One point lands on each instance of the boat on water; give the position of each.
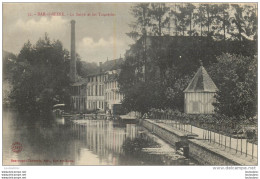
(58, 109)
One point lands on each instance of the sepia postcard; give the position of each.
(130, 84)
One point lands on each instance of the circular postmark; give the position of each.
(17, 147)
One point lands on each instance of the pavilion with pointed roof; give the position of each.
(199, 95)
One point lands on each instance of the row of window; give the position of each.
(79, 103)
(111, 84)
(114, 96)
(95, 105)
(95, 90)
(100, 78)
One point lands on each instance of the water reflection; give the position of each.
(83, 142)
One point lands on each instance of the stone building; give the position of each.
(99, 91)
(78, 96)
(112, 95)
(102, 87)
(95, 92)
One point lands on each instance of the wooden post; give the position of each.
(230, 142)
(218, 138)
(241, 145)
(221, 139)
(237, 143)
(210, 136)
(246, 147)
(225, 141)
(252, 150)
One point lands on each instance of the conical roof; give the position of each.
(201, 82)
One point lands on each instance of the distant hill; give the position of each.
(85, 68)
(112, 64)
(8, 62)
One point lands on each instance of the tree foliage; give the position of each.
(236, 79)
(220, 21)
(159, 66)
(40, 76)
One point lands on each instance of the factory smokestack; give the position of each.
(100, 67)
(73, 53)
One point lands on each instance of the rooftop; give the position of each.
(201, 82)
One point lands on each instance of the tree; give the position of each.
(236, 78)
(171, 61)
(185, 17)
(142, 20)
(159, 15)
(40, 76)
(244, 22)
(200, 18)
(222, 21)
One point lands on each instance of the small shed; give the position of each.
(199, 95)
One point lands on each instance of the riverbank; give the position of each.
(203, 151)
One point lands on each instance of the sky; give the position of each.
(97, 37)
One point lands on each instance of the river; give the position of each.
(82, 142)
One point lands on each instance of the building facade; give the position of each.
(98, 91)
(95, 92)
(78, 96)
(113, 96)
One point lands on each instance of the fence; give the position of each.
(216, 133)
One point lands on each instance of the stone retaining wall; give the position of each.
(165, 134)
(198, 149)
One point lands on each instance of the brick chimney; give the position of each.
(100, 67)
(73, 53)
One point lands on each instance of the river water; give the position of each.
(82, 142)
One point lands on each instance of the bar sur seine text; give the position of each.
(77, 14)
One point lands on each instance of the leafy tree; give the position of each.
(222, 21)
(159, 15)
(170, 62)
(142, 20)
(236, 79)
(244, 22)
(40, 76)
(9, 60)
(185, 17)
(200, 19)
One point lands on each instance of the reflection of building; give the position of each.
(102, 138)
(199, 95)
